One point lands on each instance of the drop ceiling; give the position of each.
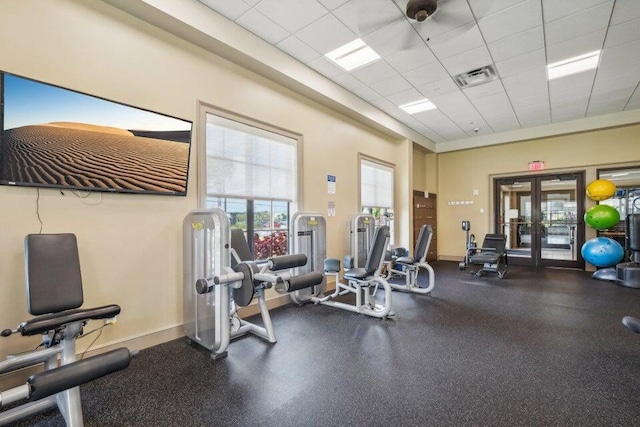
(420, 60)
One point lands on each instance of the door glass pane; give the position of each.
(515, 217)
(559, 218)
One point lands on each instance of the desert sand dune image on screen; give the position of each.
(93, 157)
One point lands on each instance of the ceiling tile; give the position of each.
(299, 50)
(405, 97)
(518, 44)
(578, 24)
(326, 34)
(374, 72)
(325, 67)
(412, 58)
(622, 70)
(521, 17)
(582, 82)
(347, 81)
(292, 15)
(482, 8)
(604, 86)
(522, 63)
(471, 60)
(455, 42)
(623, 33)
(532, 120)
(620, 54)
(614, 95)
(532, 103)
(365, 16)
(625, 10)
(606, 107)
(483, 90)
(332, 4)
(456, 106)
(392, 38)
(574, 47)
(425, 75)
(535, 78)
(497, 102)
(384, 104)
(231, 9)
(567, 114)
(262, 27)
(367, 93)
(391, 86)
(441, 87)
(557, 9)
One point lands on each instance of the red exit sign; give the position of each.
(536, 165)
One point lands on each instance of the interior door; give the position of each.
(542, 217)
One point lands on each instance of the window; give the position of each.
(251, 174)
(376, 192)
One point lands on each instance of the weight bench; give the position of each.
(54, 295)
(492, 255)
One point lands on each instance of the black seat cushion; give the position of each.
(406, 260)
(357, 273)
(485, 258)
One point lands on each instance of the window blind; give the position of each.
(247, 162)
(376, 185)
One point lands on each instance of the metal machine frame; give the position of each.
(312, 228)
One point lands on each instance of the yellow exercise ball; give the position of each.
(601, 189)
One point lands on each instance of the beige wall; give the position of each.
(460, 172)
(131, 245)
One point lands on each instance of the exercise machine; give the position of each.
(54, 295)
(362, 228)
(220, 275)
(309, 237)
(411, 265)
(492, 255)
(469, 245)
(632, 323)
(628, 273)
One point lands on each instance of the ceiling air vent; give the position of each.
(476, 77)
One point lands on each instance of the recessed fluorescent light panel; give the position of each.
(575, 65)
(418, 106)
(353, 55)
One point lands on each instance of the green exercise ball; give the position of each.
(601, 189)
(601, 217)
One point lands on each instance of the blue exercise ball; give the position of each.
(602, 252)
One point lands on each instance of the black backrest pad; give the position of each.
(52, 272)
(240, 245)
(495, 241)
(377, 250)
(422, 245)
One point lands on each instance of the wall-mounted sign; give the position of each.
(536, 165)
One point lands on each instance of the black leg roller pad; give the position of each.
(74, 374)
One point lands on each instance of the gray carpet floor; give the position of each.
(539, 348)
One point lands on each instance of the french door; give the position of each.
(542, 217)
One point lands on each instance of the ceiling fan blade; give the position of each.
(368, 15)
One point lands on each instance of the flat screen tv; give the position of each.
(58, 138)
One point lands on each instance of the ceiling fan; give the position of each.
(421, 9)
